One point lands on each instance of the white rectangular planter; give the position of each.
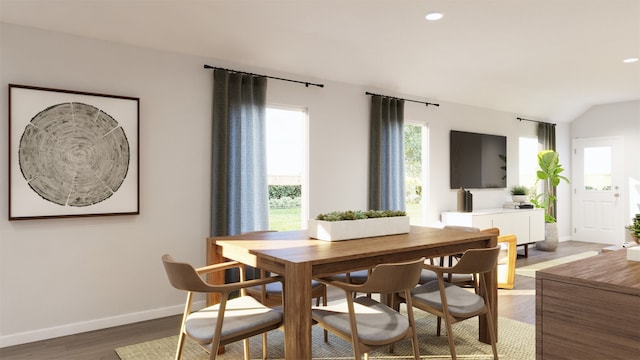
(355, 229)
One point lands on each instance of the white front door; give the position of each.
(598, 198)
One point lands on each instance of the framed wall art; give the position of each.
(72, 153)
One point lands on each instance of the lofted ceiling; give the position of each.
(546, 60)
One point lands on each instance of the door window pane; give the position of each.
(597, 168)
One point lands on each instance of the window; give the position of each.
(528, 161)
(414, 172)
(286, 167)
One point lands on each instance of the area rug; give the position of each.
(516, 341)
(530, 270)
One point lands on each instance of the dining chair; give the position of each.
(459, 279)
(506, 259)
(271, 294)
(229, 321)
(454, 303)
(465, 280)
(353, 277)
(366, 322)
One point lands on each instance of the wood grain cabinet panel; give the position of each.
(589, 309)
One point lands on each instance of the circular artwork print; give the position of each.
(74, 154)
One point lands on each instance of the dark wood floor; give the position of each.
(518, 304)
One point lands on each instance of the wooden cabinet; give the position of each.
(526, 224)
(589, 309)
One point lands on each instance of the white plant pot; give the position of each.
(551, 238)
(355, 229)
(519, 198)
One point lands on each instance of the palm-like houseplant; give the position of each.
(549, 174)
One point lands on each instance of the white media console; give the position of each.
(526, 224)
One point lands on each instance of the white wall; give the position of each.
(618, 119)
(61, 276)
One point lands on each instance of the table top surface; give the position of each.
(296, 246)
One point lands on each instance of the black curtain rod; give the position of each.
(535, 121)
(397, 98)
(267, 76)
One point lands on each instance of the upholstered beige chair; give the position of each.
(454, 303)
(360, 320)
(229, 321)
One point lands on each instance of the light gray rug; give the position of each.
(530, 270)
(516, 341)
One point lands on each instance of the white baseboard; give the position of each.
(91, 325)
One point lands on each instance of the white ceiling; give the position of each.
(541, 59)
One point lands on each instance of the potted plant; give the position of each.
(549, 174)
(519, 193)
(633, 230)
(344, 225)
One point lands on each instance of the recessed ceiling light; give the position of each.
(631, 60)
(434, 16)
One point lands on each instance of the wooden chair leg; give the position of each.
(265, 346)
(181, 340)
(324, 303)
(452, 343)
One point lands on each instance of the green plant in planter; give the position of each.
(634, 228)
(549, 173)
(519, 190)
(358, 215)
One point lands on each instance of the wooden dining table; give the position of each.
(299, 259)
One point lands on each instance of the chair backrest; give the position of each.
(393, 277)
(476, 261)
(183, 276)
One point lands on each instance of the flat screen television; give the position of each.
(477, 161)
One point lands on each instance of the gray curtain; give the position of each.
(547, 136)
(386, 154)
(239, 190)
(547, 141)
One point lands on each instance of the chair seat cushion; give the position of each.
(356, 277)
(242, 315)
(276, 287)
(427, 275)
(459, 300)
(376, 323)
